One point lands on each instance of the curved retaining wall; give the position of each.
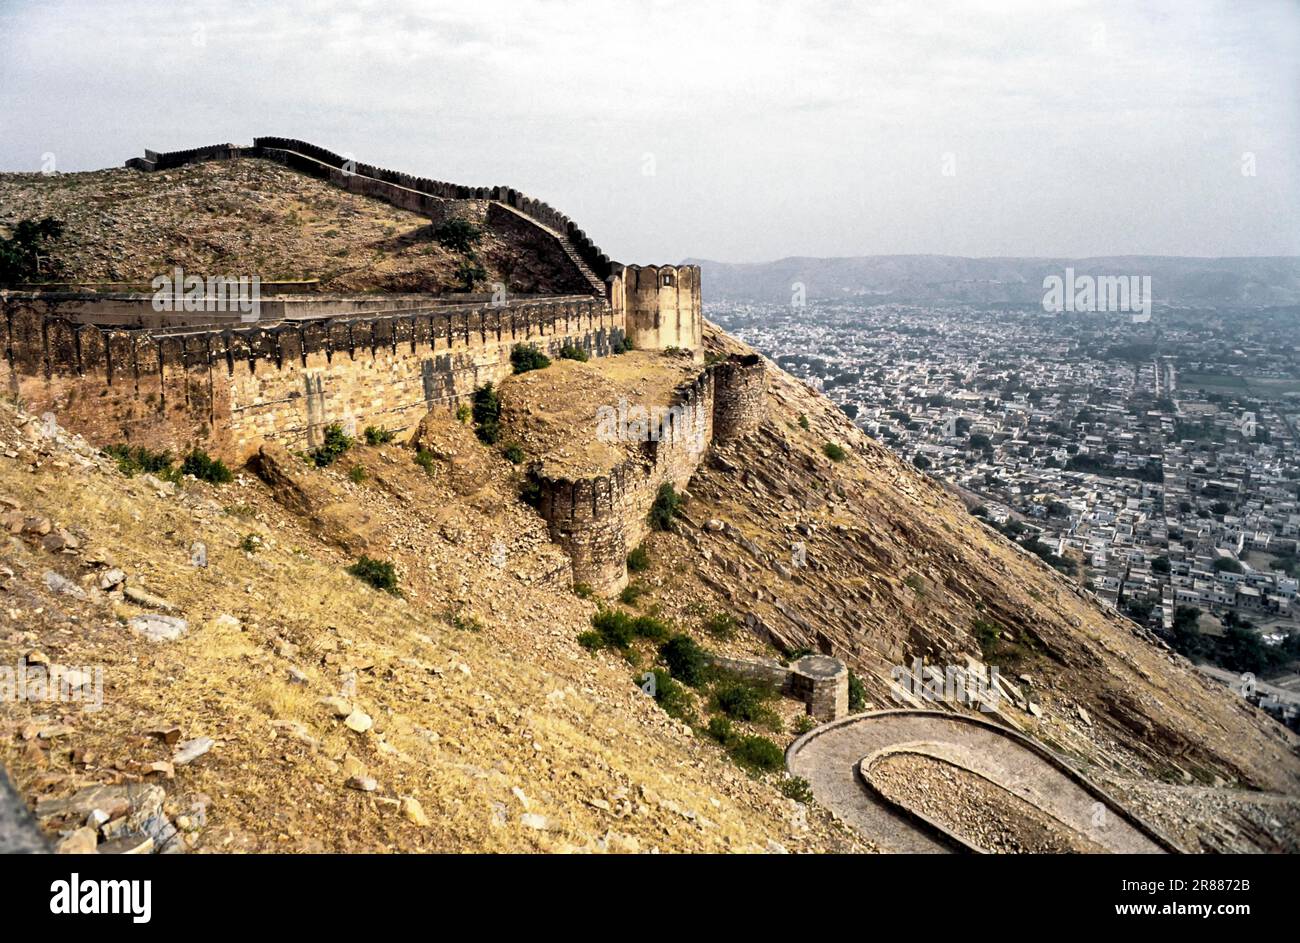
(1033, 746)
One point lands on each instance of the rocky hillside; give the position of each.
(255, 217)
(268, 700)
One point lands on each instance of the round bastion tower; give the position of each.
(660, 305)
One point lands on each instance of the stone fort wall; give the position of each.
(662, 305)
(228, 390)
(598, 520)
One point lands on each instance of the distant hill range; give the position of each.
(1176, 280)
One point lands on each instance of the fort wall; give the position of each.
(229, 390)
(598, 520)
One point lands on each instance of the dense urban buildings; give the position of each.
(1155, 462)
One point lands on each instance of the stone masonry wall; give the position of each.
(738, 398)
(227, 391)
(662, 304)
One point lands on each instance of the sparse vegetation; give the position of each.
(457, 234)
(357, 474)
(614, 628)
(425, 459)
(742, 699)
(250, 543)
(630, 593)
(378, 435)
(583, 591)
(796, 788)
(624, 345)
(857, 693)
(638, 560)
(132, 461)
(688, 662)
(525, 357)
(721, 625)
(834, 452)
(336, 443)
(378, 573)
(670, 695)
(464, 621)
(20, 253)
(514, 453)
(572, 352)
(487, 414)
(206, 468)
(667, 502)
(803, 422)
(757, 754)
(802, 724)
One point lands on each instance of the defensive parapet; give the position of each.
(661, 304)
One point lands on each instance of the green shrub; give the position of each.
(688, 662)
(803, 421)
(487, 414)
(796, 788)
(469, 272)
(573, 352)
(638, 560)
(456, 234)
(651, 627)
(624, 345)
(514, 453)
(722, 730)
(757, 754)
(614, 628)
(358, 474)
(464, 413)
(530, 491)
(206, 468)
(742, 699)
(583, 590)
(667, 502)
(525, 357)
(425, 459)
(721, 625)
(20, 253)
(802, 724)
(857, 693)
(631, 593)
(250, 543)
(378, 435)
(592, 641)
(336, 443)
(834, 452)
(139, 460)
(378, 573)
(673, 699)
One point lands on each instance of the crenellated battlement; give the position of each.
(662, 305)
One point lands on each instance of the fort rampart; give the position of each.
(228, 390)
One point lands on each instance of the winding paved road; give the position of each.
(828, 758)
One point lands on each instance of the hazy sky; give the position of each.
(673, 129)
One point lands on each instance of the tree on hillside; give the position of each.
(20, 254)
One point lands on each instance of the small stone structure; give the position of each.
(820, 681)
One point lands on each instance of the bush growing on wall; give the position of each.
(456, 234)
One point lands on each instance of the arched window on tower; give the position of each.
(666, 279)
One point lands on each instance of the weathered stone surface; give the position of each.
(158, 628)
